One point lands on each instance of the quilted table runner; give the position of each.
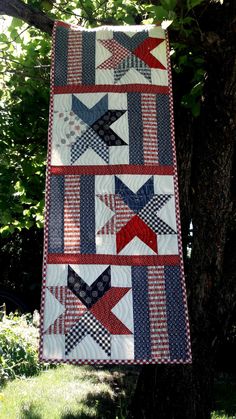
(113, 285)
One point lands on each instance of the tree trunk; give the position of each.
(30, 15)
(205, 159)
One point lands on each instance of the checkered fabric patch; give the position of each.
(113, 282)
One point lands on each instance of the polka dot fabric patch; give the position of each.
(113, 281)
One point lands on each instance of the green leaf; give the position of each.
(129, 19)
(4, 230)
(161, 13)
(169, 4)
(14, 33)
(149, 21)
(3, 38)
(183, 59)
(15, 23)
(46, 5)
(196, 107)
(193, 3)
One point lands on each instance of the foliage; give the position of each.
(23, 123)
(24, 93)
(19, 346)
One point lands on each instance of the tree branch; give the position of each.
(30, 15)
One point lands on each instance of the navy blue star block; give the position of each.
(89, 295)
(135, 201)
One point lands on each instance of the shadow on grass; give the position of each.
(102, 406)
(30, 412)
(104, 403)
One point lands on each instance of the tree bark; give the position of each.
(183, 392)
(30, 15)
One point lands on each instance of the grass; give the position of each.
(69, 392)
(225, 399)
(66, 392)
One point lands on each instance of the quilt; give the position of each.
(113, 281)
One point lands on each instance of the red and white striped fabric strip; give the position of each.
(74, 310)
(110, 226)
(72, 214)
(149, 117)
(58, 327)
(74, 59)
(123, 213)
(157, 312)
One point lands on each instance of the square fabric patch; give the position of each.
(113, 282)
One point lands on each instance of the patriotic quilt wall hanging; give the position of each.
(113, 283)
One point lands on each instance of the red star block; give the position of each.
(136, 228)
(143, 51)
(102, 311)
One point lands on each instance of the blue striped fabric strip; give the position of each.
(56, 215)
(176, 317)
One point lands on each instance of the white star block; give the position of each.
(106, 244)
(134, 182)
(89, 273)
(163, 184)
(167, 244)
(62, 103)
(123, 310)
(160, 77)
(137, 247)
(54, 347)
(121, 276)
(88, 348)
(56, 274)
(122, 347)
(156, 32)
(104, 184)
(53, 309)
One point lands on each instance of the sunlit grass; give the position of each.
(221, 415)
(65, 392)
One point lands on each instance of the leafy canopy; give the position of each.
(24, 93)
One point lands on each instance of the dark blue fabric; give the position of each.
(175, 313)
(87, 214)
(89, 294)
(142, 344)
(61, 51)
(135, 129)
(90, 115)
(130, 42)
(165, 151)
(135, 201)
(56, 215)
(89, 55)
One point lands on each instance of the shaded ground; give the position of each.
(225, 398)
(86, 392)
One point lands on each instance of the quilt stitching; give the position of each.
(113, 280)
